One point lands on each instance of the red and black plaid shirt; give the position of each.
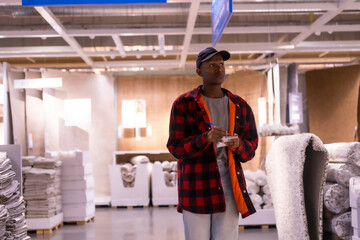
(199, 183)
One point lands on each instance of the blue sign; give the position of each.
(221, 13)
(81, 2)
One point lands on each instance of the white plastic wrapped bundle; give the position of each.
(260, 177)
(266, 189)
(139, 159)
(344, 152)
(256, 183)
(252, 187)
(250, 175)
(166, 166)
(170, 172)
(170, 178)
(336, 198)
(128, 173)
(267, 199)
(345, 172)
(331, 169)
(173, 166)
(256, 200)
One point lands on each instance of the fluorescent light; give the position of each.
(38, 83)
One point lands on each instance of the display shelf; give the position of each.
(162, 194)
(131, 196)
(44, 223)
(261, 217)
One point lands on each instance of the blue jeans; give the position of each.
(217, 226)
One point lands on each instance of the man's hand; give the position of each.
(233, 143)
(215, 134)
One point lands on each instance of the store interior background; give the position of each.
(329, 84)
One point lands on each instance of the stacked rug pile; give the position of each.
(12, 210)
(344, 163)
(42, 190)
(4, 216)
(258, 189)
(77, 184)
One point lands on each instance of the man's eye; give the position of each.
(221, 64)
(211, 65)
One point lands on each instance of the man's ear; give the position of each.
(198, 71)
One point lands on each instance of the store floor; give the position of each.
(138, 224)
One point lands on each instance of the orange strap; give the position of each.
(240, 202)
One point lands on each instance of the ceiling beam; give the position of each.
(61, 30)
(321, 21)
(119, 45)
(194, 8)
(234, 48)
(173, 31)
(161, 40)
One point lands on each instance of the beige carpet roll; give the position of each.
(295, 168)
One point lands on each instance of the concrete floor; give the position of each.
(138, 223)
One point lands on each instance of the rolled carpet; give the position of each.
(295, 167)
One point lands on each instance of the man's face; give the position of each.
(212, 71)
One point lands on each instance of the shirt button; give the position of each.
(209, 128)
(237, 116)
(238, 173)
(244, 191)
(219, 188)
(203, 110)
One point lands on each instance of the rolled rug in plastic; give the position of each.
(250, 175)
(267, 199)
(331, 169)
(139, 159)
(268, 206)
(343, 151)
(252, 187)
(166, 166)
(345, 172)
(173, 166)
(266, 189)
(260, 177)
(256, 199)
(339, 224)
(336, 198)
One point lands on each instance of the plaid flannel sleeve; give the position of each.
(183, 144)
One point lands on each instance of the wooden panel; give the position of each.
(333, 98)
(159, 93)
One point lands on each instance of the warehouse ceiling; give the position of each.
(168, 36)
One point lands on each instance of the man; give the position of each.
(211, 183)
